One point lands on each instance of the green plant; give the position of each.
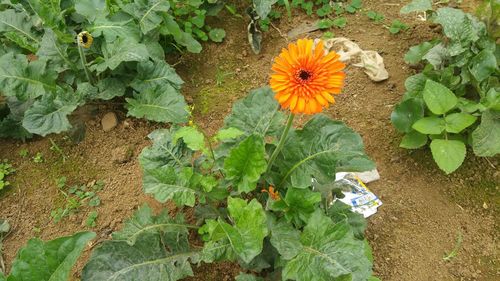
(397, 26)
(254, 200)
(376, 17)
(52, 260)
(5, 170)
(38, 158)
(119, 50)
(91, 219)
(453, 253)
(24, 152)
(455, 100)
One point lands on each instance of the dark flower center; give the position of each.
(84, 39)
(304, 75)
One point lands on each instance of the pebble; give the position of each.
(109, 121)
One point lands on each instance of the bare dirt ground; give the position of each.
(424, 210)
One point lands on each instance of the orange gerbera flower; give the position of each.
(305, 77)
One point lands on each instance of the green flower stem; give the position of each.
(281, 142)
(288, 9)
(84, 64)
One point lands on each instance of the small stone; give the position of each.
(485, 206)
(122, 154)
(109, 121)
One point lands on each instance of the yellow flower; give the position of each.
(305, 78)
(85, 39)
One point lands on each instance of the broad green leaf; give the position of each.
(156, 74)
(49, 12)
(10, 127)
(406, 113)
(415, 85)
(54, 51)
(330, 252)
(151, 258)
(164, 152)
(244, 238)
(25, 80)
(263, 7)
(17, 27)
(246, 163)
(49, 261)
(148, 13)
(322, 148)
(486, 138)
(483, 65)
(193, 138)
(227, 134)
(49, 115)
(183, 38)
(121, 50)
(448, 154)
(91, 9)
(217, 35)
(284, 237)
(168, 183)
(413, 140)
(340, 212)
(437, 55)
(257, 113)
(456, 25)
(115, 28)
(430, 125)
(298, 204)
(2, 277)
(438, 98)
(110, 88)
(143, 221)
(247, 277)
(158, 104)
(417, 6)
(457, 122)
(416, 53)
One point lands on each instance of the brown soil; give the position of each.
(423, 213)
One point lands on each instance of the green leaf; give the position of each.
(23, 79)
(228, 134)
(456, 25)
(413, 140)
(148, 13)
(193, 138)
(417, 6)
(11, 127)
(110, 88)
(157, 104)
(437, 55)
(258, 113)
(54, 51)
(121, 50)
(156, 74)
(247, 277)
(168, 183)
(406, 113)
(18, 25)
(49, 12)
(486, 138)
(153, 257)
(284, 237)
(217, 35)
(330, 252)
(143, 221)
(298, 204)
(457, 122)
(430, 125)
(164, 152)
(448, 154)
(49, 115)
(91, 9)
(244, 238)
(340, 22)
(322, 148)
(340, 212)
(416, 53)
(246, 163)
(183, 38)
(414, 85)
(115, 28)
(47, 261)
(483, 65)
(263, 7)
(438, 98)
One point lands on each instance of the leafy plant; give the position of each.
(44, 261)
(45, 74)
(38, 158)
(397, 26)
(5, 170)
(376, 17)
(455, 100)
(288, 228)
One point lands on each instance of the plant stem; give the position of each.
(288, 9)
(84, 64)
(281, 142)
